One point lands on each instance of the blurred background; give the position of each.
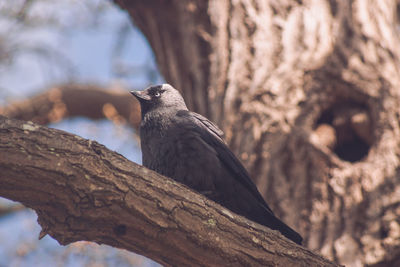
(45, 43)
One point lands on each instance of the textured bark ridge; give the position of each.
(308, 94)
(83, 191)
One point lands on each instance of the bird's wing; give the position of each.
(212, 135)
(209, 125)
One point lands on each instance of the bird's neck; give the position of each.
(158, 118)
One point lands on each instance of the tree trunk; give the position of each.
(307, 93)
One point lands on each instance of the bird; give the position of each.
(190, 149)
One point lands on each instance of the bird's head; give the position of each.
(159, 96)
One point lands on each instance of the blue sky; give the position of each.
(81, 43)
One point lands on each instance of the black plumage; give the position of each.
(190, 149)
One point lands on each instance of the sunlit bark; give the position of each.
(308, 94)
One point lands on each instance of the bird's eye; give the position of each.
(157, 94)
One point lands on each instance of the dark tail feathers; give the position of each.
(285, 230)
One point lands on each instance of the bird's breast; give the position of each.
(158, 148)
(180, 153)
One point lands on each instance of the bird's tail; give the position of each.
(285, 230)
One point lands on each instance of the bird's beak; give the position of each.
(141, 95)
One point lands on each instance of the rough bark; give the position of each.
(71, 100)
(83, 191)
(307, 93)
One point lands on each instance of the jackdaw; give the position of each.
(190, 149)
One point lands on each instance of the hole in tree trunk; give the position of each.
(353, 150)
(345, 128)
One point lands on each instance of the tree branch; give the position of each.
(71, 100)
(83, 191)
(8, 209)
